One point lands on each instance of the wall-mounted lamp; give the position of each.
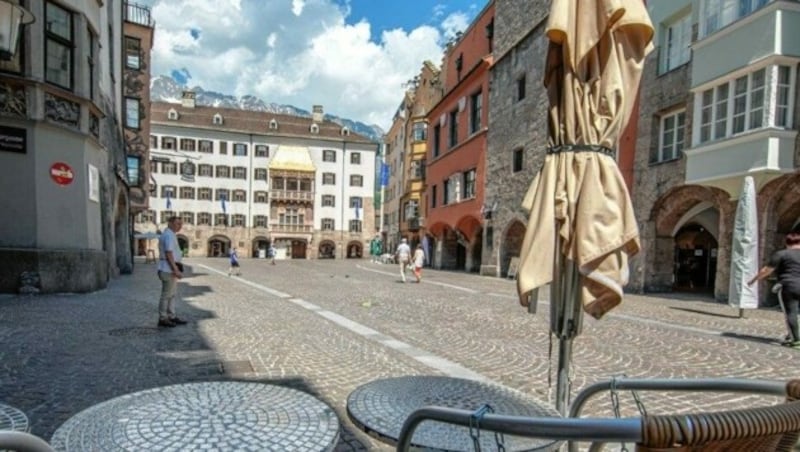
(488, 210)
(12, 18)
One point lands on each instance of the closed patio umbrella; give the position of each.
(744, 250)
(581, 217)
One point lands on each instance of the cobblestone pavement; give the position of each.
(326, 327)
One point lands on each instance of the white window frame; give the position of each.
(717, 14)
(677, 42)
(676, 135)
(721, 114)
(132, 120)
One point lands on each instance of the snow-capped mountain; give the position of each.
(166, 89)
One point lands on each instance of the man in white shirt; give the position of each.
(170, 270)
(403, 257)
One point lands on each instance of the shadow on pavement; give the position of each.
(751, 338)
(699, 311)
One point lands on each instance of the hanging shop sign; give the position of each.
(12, 139)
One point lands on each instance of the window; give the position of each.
(168, 142)
(220, 219)
(204, 169)
(273, 124)
(749, 102)
(453, 188)
(260, 221)
(205, 146)
(475, 108)
(187, 192)
(305, 184)
(90, 61)
(166, 215)
(433, 196)
(223, 171)
(355, 226)
(516, 165)
(328, 224)
(278, 183)
(419, 131)
(132, 53)
(217, 119)
(453, 128)
(59, 45)
(204, 219)
(328, 155)
(671, 137)
(437, 139)
(411, 209)
(417, 169)
(355, 158)
(291, 216)
(291, 184)
(239, 149)
(222, 193)
(445, 192)
(260, 197)
(168, 191)
(260, 174)
(134, 175)
(356, 180)
(153, 166)
(153, 142)
(169, 168)
(204, 194)
(314, 129)
(239, 172)
(716, 14)
(356, 201)
(223, 148)
(521, 88)
(262, 150)
(677, 43)
(172, 115)
(187, 217)
(328, 179)
(469, 184)
(187, 144)
(148, 216)
(239, 196)
(328, 201)
(132, 113)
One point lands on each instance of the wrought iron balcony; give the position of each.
(138, 14)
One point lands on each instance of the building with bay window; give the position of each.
(250, 179)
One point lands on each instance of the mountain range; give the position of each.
(164, 88)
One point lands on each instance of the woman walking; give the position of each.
(419, 261)
(786, 264)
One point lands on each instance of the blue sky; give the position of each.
(350, 56)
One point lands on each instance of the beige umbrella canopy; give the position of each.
(581, 217)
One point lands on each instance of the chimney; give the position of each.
(316, 113)
(187, 99)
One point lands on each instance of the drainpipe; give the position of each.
(250, 175)
(344, 245)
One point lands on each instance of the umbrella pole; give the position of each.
(562, 388)
(565, 321)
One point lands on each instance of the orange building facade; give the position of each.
(456, 150)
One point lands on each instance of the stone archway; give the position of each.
(355, 250)
(183, 244)
(708, 208)
(511, 244)
(695, 259)
(260, 247)
(327, 250)
(218, 246)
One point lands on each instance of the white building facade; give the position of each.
(252, 179)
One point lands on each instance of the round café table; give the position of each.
(209, 416)
(380, 407)
(13, 419)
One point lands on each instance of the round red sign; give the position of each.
(61, 173)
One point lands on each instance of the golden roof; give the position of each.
(292, 158)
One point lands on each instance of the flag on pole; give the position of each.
(169, 200)
(358, 208)
(384, 174)
(222, 200)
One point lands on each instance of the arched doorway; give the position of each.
(183, 244)
(476, 251)
(260, 247)
(512, 245)
(695, 259)
(218, 246)
(355, 250)
(327, 250)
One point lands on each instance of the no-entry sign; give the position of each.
(61, 173)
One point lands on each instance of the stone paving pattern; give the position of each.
(64, 353)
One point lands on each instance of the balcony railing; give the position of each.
(416, 223)
(291, 195)
(138, 14)
(291, 228)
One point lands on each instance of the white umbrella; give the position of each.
(744, 250)
(581, 216)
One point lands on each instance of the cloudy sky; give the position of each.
(350, 56)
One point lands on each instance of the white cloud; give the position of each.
(298, 52)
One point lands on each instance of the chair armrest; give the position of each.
(23, 442)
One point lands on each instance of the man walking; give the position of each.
(170, 270)
(403, 255)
